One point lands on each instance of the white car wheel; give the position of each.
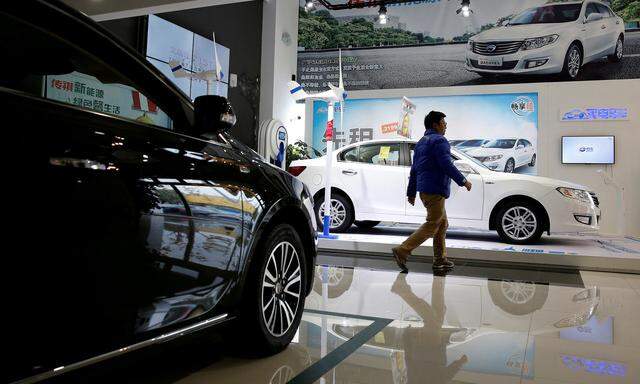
(341, 213)
(519, 223)
(619, 52)
(510, 166)
(572, 62)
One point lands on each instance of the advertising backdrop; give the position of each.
(425, 43)
(480, 125)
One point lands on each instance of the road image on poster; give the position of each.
(499, 130)
(428, 44)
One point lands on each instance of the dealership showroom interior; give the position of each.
(322, 191)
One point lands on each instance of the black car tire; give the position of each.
(533, 160)
(510, 166)
(568, 68)
(366, 224)
(341, 201)
(619, 51)
(253, 325)
(525, 209)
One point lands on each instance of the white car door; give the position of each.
(462, 204)
(520, 153)
(610, 32)
(376, 180)
(594, 34)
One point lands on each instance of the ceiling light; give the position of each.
(382, 15)
(465, 8)
(308, 5)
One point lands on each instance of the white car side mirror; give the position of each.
(593, 17)
(464, 167)
(520, 146)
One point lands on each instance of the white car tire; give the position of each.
(572, 62)
(510, 166)
(533, 160)
(619, 52)
(519, 222)
(342, 213)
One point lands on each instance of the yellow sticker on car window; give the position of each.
(384, 153)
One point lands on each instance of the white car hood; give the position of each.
(520, 32)
(479, 152)
(546, 181)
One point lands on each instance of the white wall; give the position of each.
(552, 97)
(279, 62)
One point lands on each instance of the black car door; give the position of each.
(127, 226)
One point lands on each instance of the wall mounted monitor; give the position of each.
(588, 150)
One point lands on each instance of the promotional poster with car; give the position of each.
(432, 44)
(498, 130)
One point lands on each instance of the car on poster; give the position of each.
(505, 154)
(552, 38)
(370, 182)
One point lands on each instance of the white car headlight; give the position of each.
(577, 194)
(493, 158)
(470, 45)
(538, 42)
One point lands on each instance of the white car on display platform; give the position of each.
(557, 37)
(369, 184)
(504, 154)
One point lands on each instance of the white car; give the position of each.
(553, 38)
(466, 145)
(369, 184)
(505, 154)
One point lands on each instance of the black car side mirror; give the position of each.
(213, 114)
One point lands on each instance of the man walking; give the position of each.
(431, 174)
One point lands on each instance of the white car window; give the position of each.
(591, 8)
(380, 154)
(604, 10)
(350, 155)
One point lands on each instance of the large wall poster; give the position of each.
(500, 130)
(426, 43)
(167, 41)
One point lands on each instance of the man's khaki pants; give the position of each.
(436, 227)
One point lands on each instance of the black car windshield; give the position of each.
(547, 14)
(472, 143)
(502, 143)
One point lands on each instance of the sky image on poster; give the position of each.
(480, 125)
(426, 43)
(167, 41)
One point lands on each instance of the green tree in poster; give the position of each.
(627, 9)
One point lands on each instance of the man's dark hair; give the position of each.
(433, 117)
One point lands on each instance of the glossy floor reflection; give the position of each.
(387, 327)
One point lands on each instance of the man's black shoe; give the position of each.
(443, 264)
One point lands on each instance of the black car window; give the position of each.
(380, 154)
(591, 8)
(350, 155)
(604, 10)
(44, 65)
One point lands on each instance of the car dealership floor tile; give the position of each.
(585, 252)
(372, 324)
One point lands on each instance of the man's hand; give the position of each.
(411, 200)
(467, 185)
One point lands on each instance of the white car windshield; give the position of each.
(461, 155)
(502, 143)
(547, 14)
(471, 143)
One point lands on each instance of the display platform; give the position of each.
(584, 252)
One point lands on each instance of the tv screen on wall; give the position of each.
(588, 150)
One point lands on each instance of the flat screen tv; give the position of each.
(588, 150)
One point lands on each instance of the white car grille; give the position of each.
(494, 49)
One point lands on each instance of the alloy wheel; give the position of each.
(519, 223)
(518, 292)
(619, 49)
(281, 289)
(574, 62)
(510, 166)
(338, 213)
(334, 275)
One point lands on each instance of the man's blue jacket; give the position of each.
(433, 168)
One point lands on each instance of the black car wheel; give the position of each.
(510, 166)
(341, 213)
(275, 300)
(519, 223)
(619, 52)
(366, 224)
(533, 160)
(572, 62)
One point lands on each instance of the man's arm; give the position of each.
(411, 188)
(443, 157)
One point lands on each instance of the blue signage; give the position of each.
(588, 114)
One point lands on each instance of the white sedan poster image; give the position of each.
(432, 44)
(498, 130)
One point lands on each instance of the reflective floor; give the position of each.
(365, 324)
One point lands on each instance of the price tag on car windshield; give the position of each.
(384, 153)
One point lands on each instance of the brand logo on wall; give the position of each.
(595, 114)
(586, 149)
(523, 106)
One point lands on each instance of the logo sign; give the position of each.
(491, 48)
(586, 149)
(523, 106)
(595, 114)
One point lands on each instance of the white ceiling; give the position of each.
(117, 9)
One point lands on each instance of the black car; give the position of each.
(133, 216)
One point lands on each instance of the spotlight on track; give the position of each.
(465, 8)
(308, 6)
(382, 15)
